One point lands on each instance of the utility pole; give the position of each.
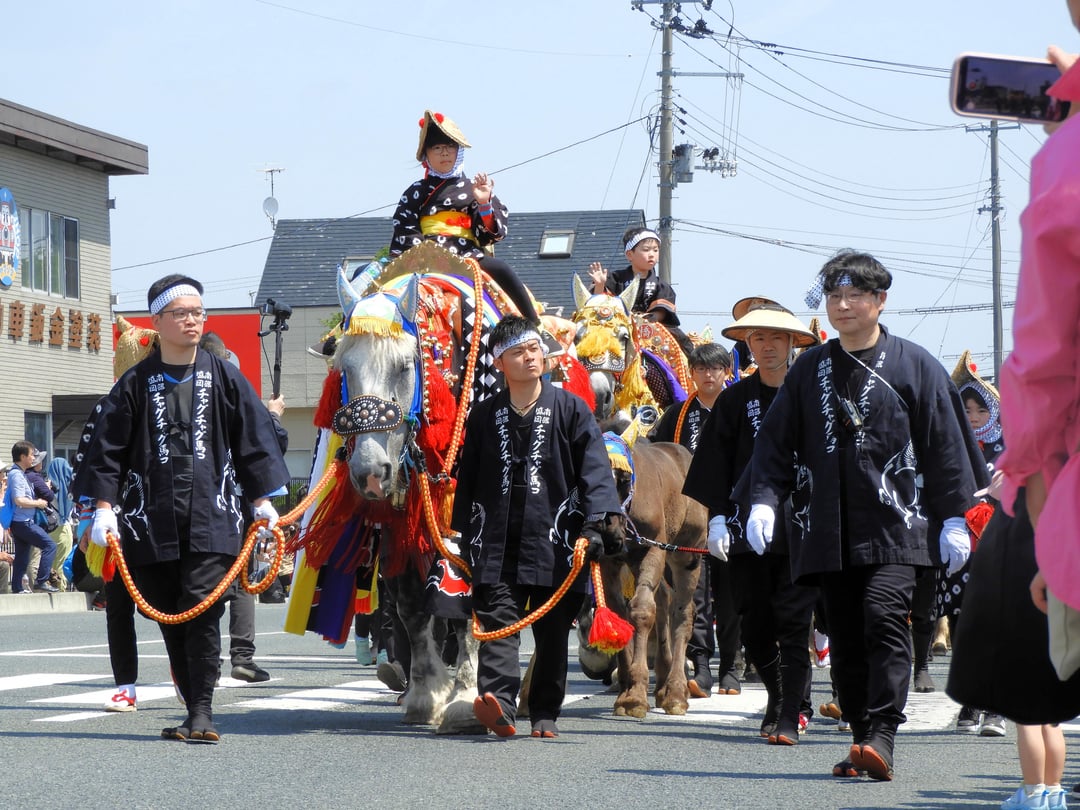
(666, 139)
(995, 238)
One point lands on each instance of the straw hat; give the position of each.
(672, 318)
(443, 125)
(744, 305)
(774, 317)
(964, 375)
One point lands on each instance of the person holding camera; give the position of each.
(534, 475)
(869, 438)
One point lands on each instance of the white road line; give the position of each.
(353, 692)
(40, 679)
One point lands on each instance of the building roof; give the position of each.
(53, 137)
(301, 265)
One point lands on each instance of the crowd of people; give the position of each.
(843, 479)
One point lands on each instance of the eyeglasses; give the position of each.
(181, 315)
(852, 297)
(443, 149)
(717, 370)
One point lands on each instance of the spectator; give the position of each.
(24, 529)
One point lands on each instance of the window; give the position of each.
(50, 255)
(556, 244)
(37, 428)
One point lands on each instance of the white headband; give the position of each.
(640, 237)
(171, 294)
(524, 337)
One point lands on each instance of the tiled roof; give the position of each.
(301, 265)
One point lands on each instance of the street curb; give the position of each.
(29, 604)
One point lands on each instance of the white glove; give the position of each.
(266, 511)
(719, 538)
(955, 544)
(759, 527)
(104, 524)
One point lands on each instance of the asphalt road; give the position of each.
(325, 733)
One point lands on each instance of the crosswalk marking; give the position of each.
(933, 711)
(40, 679)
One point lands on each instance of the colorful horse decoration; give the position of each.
(631, 362)
(412, 357)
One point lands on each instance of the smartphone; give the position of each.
(1009, 88)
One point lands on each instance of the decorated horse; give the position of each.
(411, 358)
(631, 362)
(654, 587)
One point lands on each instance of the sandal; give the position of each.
(205, 733)
(176, 733)
(488, 711)
(877, 764)
(846, 768)
(545, 729)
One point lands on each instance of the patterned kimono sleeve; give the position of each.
(407, 220)
(498, 230)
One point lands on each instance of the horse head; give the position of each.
(378, 357)
(604, 339)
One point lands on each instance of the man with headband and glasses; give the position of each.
(884, 469)
(642, 247)
(178, 443)
(533, 477)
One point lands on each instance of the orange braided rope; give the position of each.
(239, 566)
(470, 367)
(540, 612)
(478, 633)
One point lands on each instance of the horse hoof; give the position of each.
(678, 710)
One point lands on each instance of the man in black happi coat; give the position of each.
(178, 442)
(868, 436)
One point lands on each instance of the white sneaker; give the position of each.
(123, 700)
(1020, 799)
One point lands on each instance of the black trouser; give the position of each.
(776, 619)
(867, 609)
(120, 631)
(241, 621)
(194, 646)
(392, 631)
(727, 618)
(499, 669)
(702, 643)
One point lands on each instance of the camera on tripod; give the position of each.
(280, 312)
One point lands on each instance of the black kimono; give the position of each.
(727, 445)
(690, 433)
(178, 455)
(649, 289)
(915, 464)
(526, 485)
(567, 479)
(871, 484)
(776, 613)
(235, 454)
(426, 212)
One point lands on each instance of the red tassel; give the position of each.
(330, 400)
(610, 632)
(577, 381)
(977, 517)
(108, 568)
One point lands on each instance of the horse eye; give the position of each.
(622, 333)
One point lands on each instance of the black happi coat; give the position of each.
(236, 455)
(433, 195)
(569, 479)
(649, 288)
(694, 421)
(724, 452)
(916, 463)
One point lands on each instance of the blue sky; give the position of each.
(830, 155)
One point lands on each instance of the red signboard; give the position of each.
(240, 333)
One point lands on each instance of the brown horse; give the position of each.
(663, 579)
